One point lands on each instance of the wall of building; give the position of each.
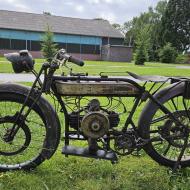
(116, 53)
(78, 44)
(84, 47)
(38, 36)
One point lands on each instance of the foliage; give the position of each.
(140, 55)
(151, 20)
(47, 13)
(182, 59)
(168, 54)
(48, 47)
(176, 24)
(143, 41)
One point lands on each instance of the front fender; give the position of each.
(46, 111)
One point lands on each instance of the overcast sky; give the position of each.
(116, 11)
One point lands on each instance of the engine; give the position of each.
(95, 122)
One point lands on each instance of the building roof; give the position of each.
(64, 25)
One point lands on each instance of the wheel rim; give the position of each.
(27, 144)
(171, 135)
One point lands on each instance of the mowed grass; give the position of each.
(131, 173)
(120, 68)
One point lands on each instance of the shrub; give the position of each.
(153, 55)
(168, 54)
(182, 59)
(141, 55)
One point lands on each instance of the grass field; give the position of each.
(95, 67)
(74, 173)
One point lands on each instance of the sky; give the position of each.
(116, 11)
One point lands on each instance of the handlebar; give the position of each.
(63, 55)
(76, 61)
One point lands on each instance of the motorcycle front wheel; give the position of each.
(28, 147)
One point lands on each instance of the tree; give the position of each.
(47, 13)
(143, 42)
(176, 24)
(48, 47)
(168, 54)
(151, 20)
(116, 26)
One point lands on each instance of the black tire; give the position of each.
(167, 152)
(35, 132)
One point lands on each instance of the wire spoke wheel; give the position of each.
(27, 145)
(16, 144)
(170, 134)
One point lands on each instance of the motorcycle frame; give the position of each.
(143, 95)
(49, 84)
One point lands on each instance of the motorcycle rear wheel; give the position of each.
(154, 123)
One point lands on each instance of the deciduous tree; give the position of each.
(176, 24)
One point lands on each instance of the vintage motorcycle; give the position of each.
(95, 116)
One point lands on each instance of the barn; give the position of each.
(84, 38)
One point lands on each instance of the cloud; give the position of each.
(16, 5)
(47, 1)
(118, 11)
(108, 16)
(79, 8)
(109, 1)
(93, 1)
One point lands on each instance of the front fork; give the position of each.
(37, 92)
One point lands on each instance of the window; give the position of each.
(61, 45)
(73, 48)
(35, 46)
(18, 44)
(90, 49)
(4, 43)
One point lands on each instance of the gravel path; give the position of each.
(11, 77)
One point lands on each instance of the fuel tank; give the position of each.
(94, 88)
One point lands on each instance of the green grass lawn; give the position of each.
(131, 173)
(95, 67)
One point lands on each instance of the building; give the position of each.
(82, 37)
(116, 53)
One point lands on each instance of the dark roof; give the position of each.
(58, 24)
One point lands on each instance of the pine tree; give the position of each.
(49, 48)
(140, 55)
(143, 42)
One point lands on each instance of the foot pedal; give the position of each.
(84, 152)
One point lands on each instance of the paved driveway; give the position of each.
(11, 77)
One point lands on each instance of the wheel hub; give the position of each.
(8, 122)
(175, 133)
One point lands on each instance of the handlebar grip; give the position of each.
(76, 61)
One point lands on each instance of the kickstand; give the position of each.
(177, 164)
